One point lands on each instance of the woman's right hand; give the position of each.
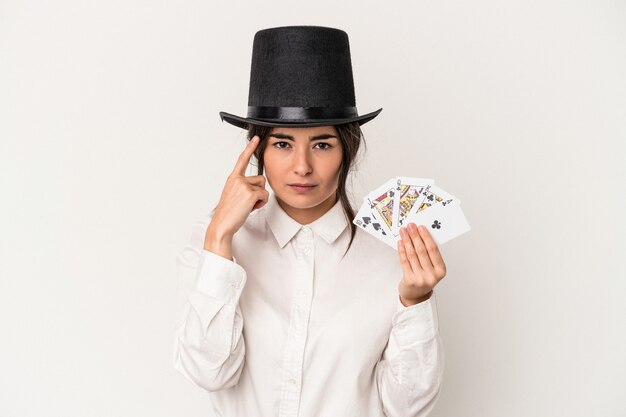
(240, 196)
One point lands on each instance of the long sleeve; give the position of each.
(209, 347)
(410, 371)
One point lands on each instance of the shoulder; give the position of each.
(254, 222)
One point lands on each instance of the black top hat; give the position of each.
(300, 76)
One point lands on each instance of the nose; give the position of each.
(302, 161)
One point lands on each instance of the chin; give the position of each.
(301, 200)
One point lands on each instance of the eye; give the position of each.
(326, 145)
(278, 143)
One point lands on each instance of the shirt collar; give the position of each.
(329, 226)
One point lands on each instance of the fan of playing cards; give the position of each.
(402, 200)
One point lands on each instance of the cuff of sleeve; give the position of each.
(417, 323)
(220, 278)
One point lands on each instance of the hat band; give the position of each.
(301, 113)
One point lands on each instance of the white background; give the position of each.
(111, 147)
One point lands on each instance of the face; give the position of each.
(308, 156)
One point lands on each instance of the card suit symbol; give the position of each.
(391, 193)
(430, 197)
(436, 225)
(378, 228)
(367, 220)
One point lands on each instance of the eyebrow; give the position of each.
(312, 138)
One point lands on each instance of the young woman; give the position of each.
(288, 309)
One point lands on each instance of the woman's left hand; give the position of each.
(422, 264)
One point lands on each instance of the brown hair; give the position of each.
(350, 136)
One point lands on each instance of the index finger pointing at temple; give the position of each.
(244, 158)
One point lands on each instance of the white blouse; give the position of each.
(288, 328)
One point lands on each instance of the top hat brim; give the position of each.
(243, 122)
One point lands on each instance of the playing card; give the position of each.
(444, 222)
(432, 195)
(401, 200)
(381, 203)
(408, 192)
(369, 222)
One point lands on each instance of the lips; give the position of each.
(302, 187)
